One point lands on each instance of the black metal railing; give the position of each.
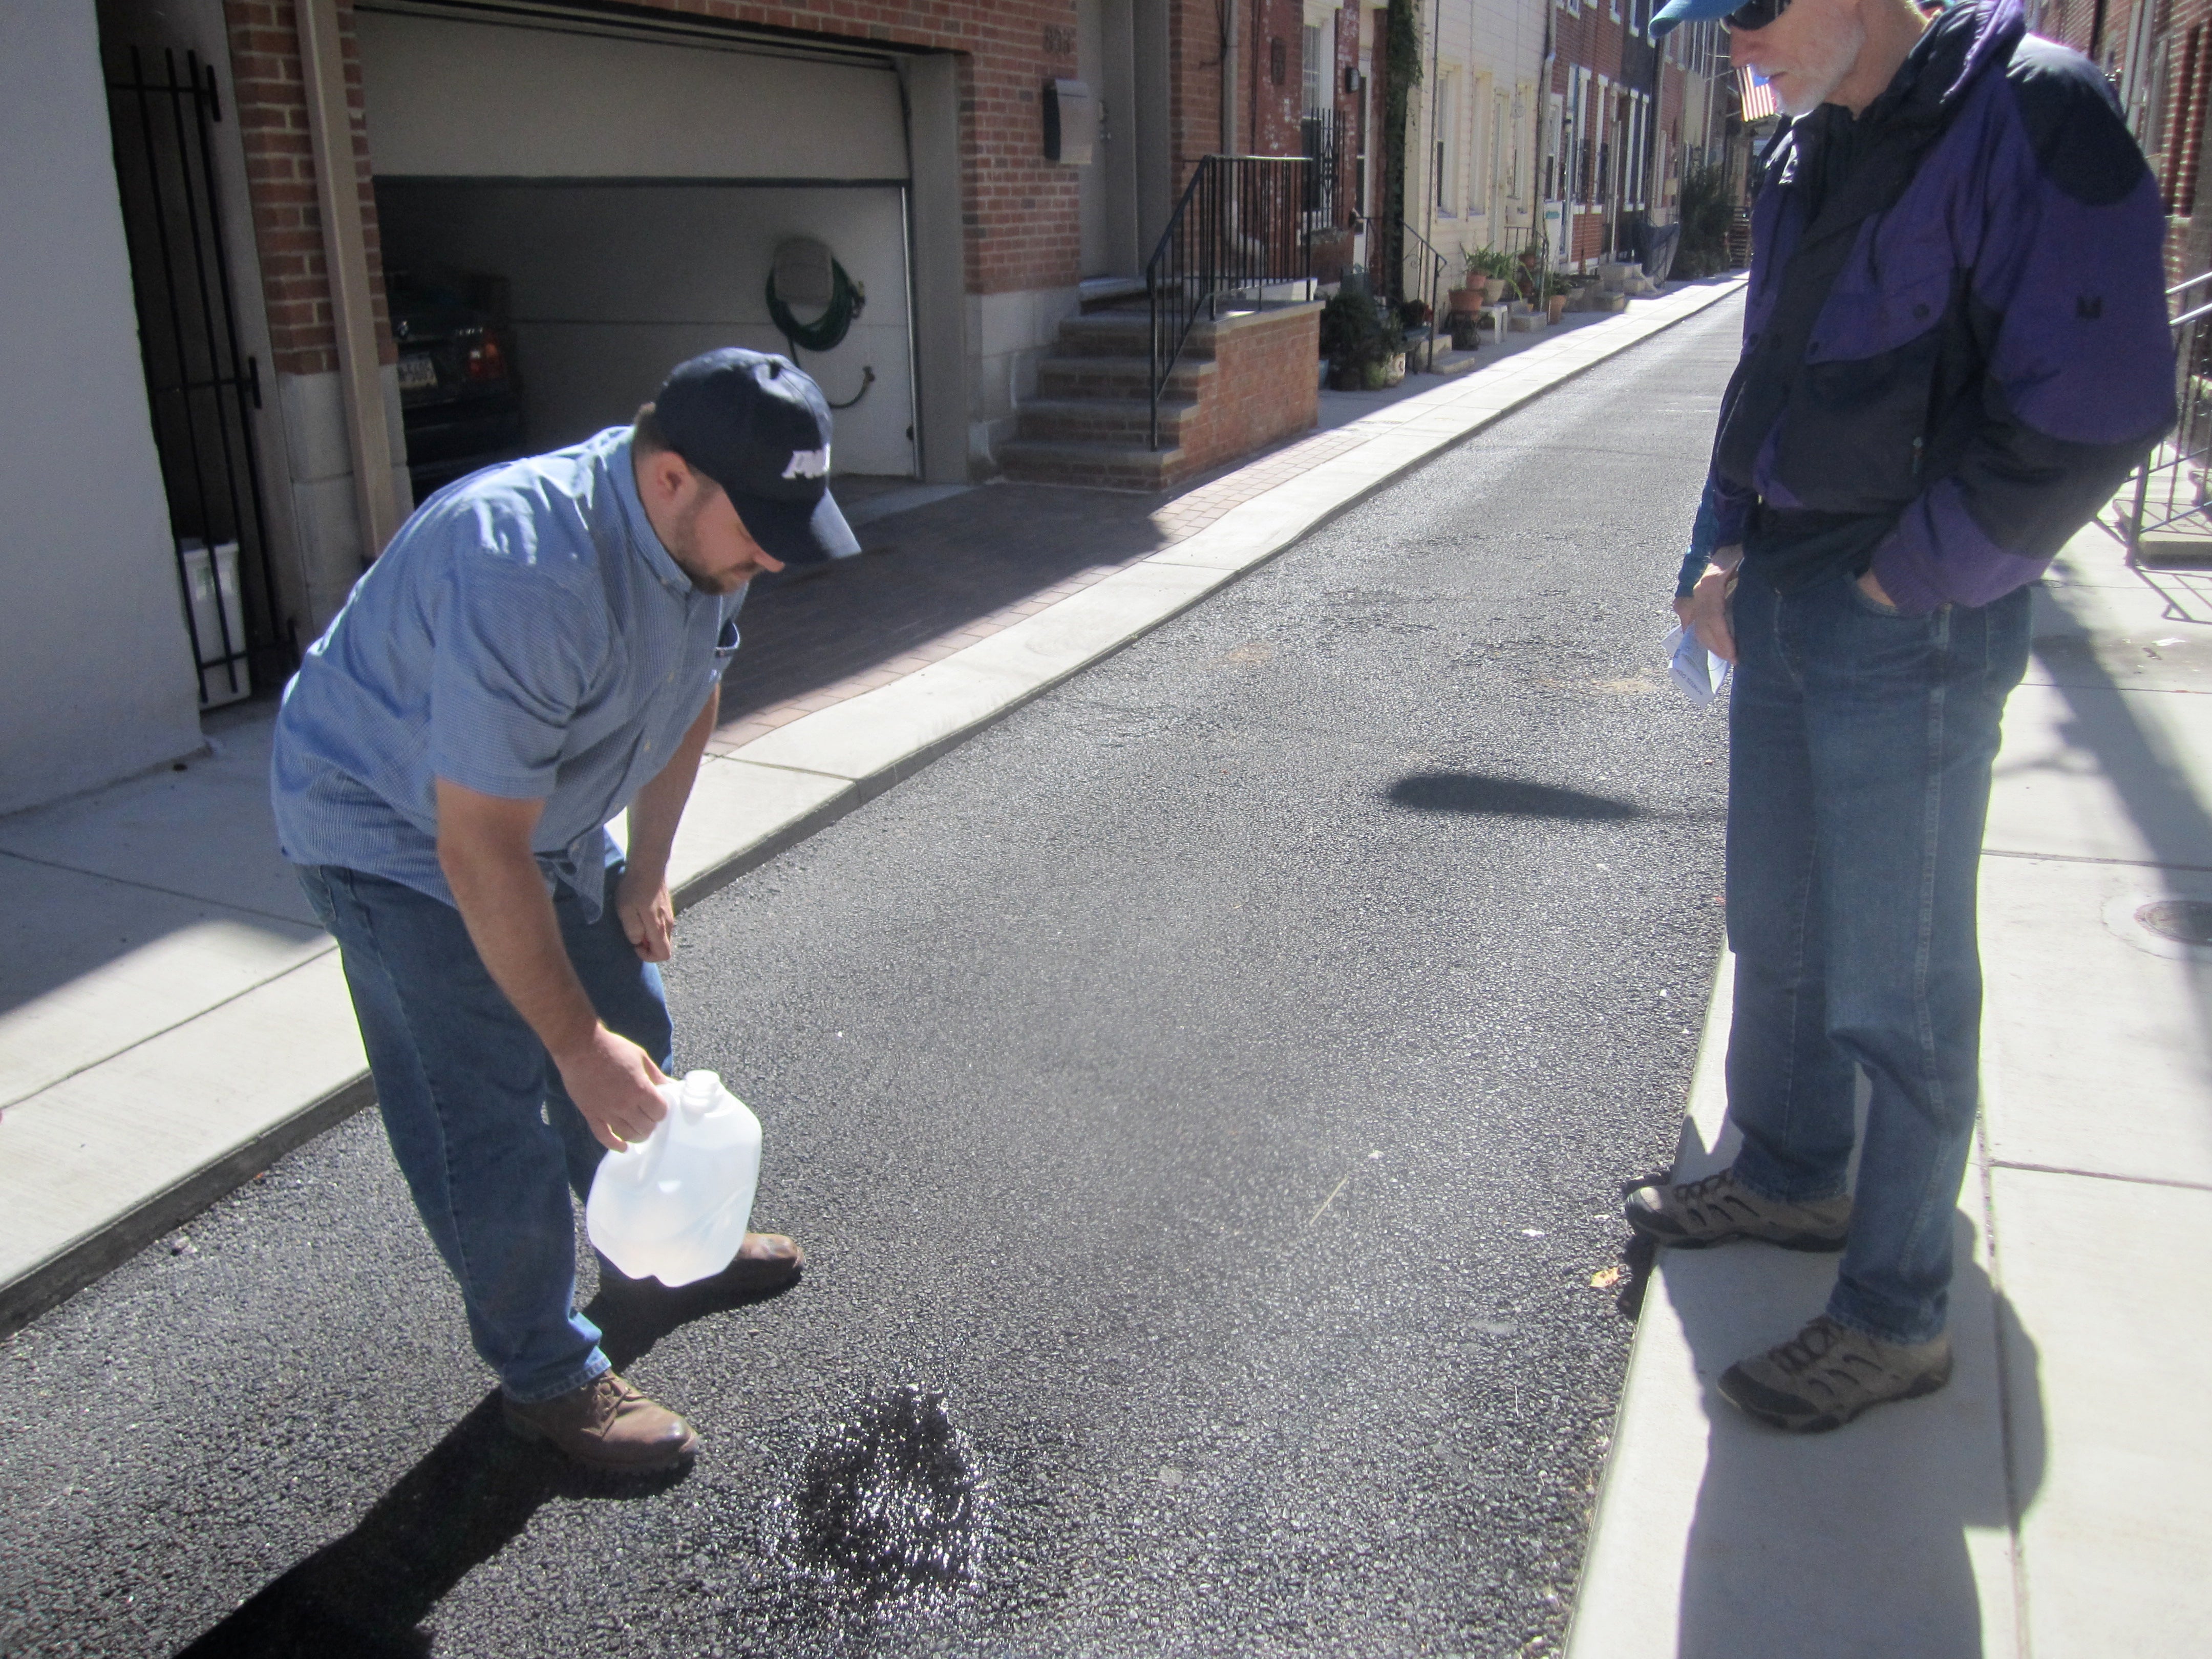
(1436, 267)
(201, 388)
(2171, 485)
(1318, 134)
(1240, 230)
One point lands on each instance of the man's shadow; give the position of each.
(367, 1594)
(1866, 1540)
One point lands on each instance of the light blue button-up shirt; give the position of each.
(525, 636)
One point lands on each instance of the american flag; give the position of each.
(1755, 94)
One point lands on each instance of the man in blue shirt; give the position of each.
(540, 648)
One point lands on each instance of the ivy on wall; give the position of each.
(1401, 73)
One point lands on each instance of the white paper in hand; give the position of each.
(1700, 673)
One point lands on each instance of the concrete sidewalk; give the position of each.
(2051, 1501)
(172, 1019)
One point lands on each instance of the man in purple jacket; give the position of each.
(1955, 349)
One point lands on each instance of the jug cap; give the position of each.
(700, 1091)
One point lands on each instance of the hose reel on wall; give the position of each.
(805, 274)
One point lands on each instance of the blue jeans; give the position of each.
(1861, 743)
(488, 1141)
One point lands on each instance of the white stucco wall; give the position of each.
(95, 667)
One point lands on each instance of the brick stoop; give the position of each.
(1241, 384)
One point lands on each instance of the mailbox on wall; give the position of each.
(1070, 123)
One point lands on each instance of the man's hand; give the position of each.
(648, 914)
(484, 846)
(615, 1086)
(1706, 611)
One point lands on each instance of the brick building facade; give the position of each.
(1175, 80)
(2158, 56)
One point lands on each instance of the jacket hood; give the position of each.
(1964, 40)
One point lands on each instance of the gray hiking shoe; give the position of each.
(1827, 1374)
(1719, 1209)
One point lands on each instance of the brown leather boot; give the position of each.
(764, 1262)
(607, 1424)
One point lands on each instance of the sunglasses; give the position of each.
(1755, 14)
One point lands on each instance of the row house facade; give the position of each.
(1560, 124)
(1624, 113)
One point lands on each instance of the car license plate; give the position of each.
(417, 373)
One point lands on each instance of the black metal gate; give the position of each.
(201, 387)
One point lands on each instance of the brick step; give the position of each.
(1110, 420)
(1098, 465)
(1125, 334)
(1118, 377)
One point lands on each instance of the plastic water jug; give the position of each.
(673, 1206)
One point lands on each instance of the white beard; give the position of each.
(1817, 77)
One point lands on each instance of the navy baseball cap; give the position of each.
(759, 427)
(1676, 12)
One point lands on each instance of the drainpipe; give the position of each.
(1539, 225)
(1435, 162)
(1259, 35)
(1228, 77)
(345, 258)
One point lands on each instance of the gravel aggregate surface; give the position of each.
(1204, 1098)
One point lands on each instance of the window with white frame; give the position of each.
(1448, 143)
(1555, 170)
(1637, 151)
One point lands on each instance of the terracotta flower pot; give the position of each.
(1463, 298)
(1554, 306)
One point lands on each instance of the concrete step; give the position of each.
(1119, 377)
(1099, 465)
(1110, 420)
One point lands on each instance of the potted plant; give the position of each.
(1527, 276)
(1497, 273)
(1467, 297)
(1361, 338)
(1483, 282)
(1555, 296)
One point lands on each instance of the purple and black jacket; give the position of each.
(1953, 362)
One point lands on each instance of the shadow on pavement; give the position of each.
(928, 572)
(367, 1594)
(1479, 794)
(2156, 793)
(1854, 1543)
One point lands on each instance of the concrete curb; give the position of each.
(778, 790)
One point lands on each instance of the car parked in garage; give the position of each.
(460, 398)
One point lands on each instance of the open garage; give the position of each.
(600, 206)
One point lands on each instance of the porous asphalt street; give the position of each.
(1214, 1082)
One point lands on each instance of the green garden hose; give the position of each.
(846, 300)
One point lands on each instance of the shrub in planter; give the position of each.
(1705, 214)
(1357, 332)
